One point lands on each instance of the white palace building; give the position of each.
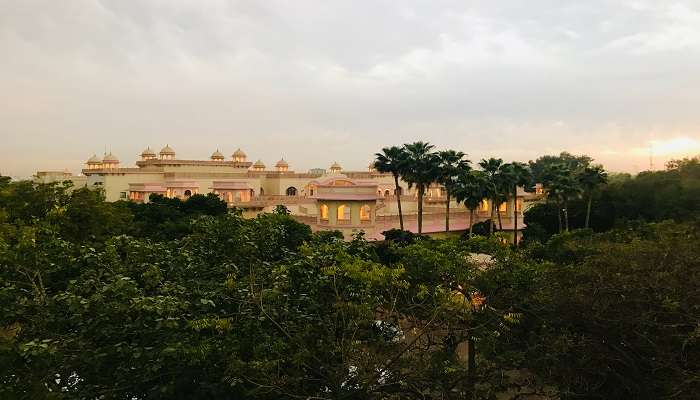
(348, 201)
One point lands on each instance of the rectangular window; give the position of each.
(122, 195)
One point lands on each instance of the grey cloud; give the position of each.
(319, 81)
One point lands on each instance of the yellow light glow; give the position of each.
(675, 146)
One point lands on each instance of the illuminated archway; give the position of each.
(344, 212)
(291, 191)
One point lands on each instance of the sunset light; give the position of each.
(675, 146)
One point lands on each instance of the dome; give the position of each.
(148, 153)
(94, 160)
(281, 163)
(167, 150)
(239, 154)
(110, 158)
(217, 155)
(335, 166)
(259, 165)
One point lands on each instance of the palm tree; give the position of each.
(451, 164)
(590, 178)
(391, 160)
(491, 168)
(420, 171)
(518, 174)
(502, 184)
(561, 186)
(471, 189)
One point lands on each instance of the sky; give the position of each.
(323, 81)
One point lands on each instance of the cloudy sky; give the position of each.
(319, 81)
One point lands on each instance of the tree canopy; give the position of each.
(189, 300)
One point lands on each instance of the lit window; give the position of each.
(344, 213)
(503, 207)
(365, 213)
(484, 205)
(324, 212)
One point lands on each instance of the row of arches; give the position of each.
(388, 192)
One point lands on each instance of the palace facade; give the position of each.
(333, 199)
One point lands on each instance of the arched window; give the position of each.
(188, 193)
(344, 213)
(484, 205)
(387, 193)
(324, 212)
(365, 213)
(262, 192)
(291, 191)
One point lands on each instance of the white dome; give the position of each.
(148, 153)
(281, 163)
(110, 158)
(94, 160)
(239, 153)
(217, 155)
(167, 150)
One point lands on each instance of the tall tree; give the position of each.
(541, 164)
(420, 171)
(391, 160)
(451, 165)
(492, 169)
(561, 186)
(471, 189)
(518, 174)
(590, 178)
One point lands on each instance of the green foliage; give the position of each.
(164, 218)
(202, 303)
(650, 196)
(571, 162)
(399, 237)
(619, 315)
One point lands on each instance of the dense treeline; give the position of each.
(187, 300)
(578, 193)
(671, 194)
